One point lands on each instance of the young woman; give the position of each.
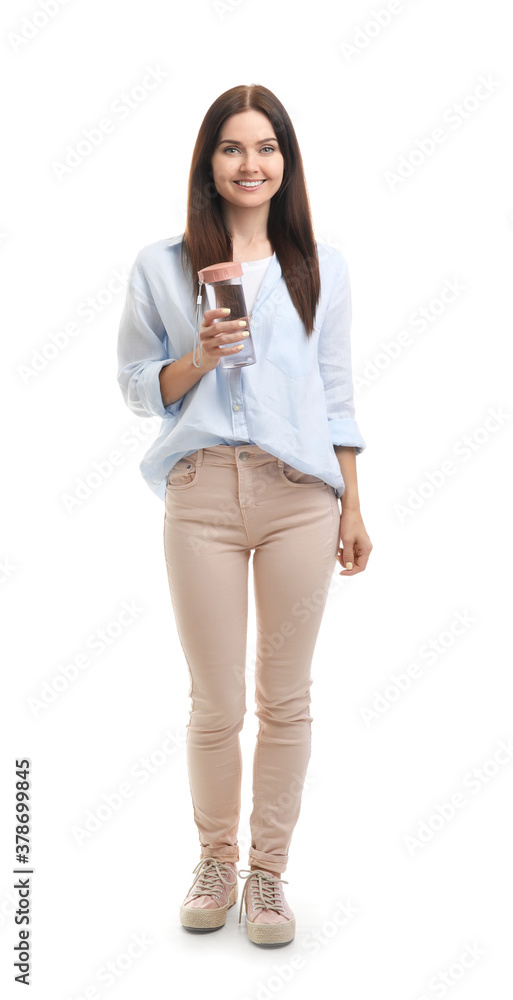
(252, 458)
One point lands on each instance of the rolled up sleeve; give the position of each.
(143, 350)
(334, 357)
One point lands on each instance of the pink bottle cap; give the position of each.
(218, 272)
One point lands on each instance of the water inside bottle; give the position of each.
(231, 297)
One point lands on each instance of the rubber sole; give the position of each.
(204, 919)
(271, 933)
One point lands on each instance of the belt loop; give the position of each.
(200, 456)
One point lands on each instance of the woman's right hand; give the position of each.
(212, 334)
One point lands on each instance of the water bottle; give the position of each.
(225, 279)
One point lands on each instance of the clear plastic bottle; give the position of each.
(225, 279)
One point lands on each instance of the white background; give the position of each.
(67, 572)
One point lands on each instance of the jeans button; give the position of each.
(244, 455)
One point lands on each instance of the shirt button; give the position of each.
(236, 406)
(244, 455)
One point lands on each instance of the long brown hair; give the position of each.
(289, 225)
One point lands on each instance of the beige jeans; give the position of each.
(221, 503)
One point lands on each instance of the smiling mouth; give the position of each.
(250, 185)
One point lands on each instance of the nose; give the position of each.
(248, 162)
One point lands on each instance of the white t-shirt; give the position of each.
(253, 272)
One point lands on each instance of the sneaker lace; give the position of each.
(265, 891)
(211, 873)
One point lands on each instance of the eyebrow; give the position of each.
(236, 142)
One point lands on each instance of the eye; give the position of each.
(228, 148)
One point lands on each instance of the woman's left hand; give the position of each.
(356, 545)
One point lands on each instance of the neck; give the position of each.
(247, 226)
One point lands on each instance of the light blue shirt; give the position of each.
(296, 402)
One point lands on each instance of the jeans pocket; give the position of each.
(293, 477)
(183, 474)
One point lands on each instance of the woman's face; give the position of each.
(247, 150)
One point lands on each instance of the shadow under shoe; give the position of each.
(269, 919)
(210, 896)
